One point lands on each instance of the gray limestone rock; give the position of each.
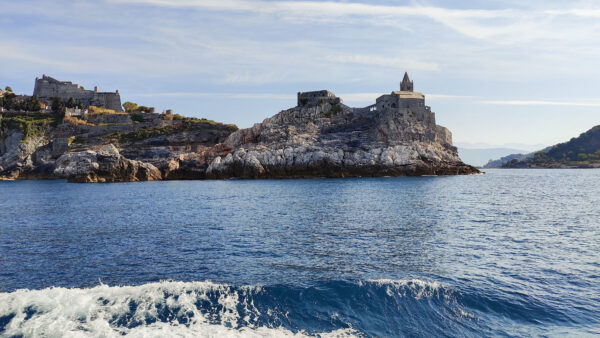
(324, 138)
(19, 157)
(103, 165)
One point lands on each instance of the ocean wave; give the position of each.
(206, 309)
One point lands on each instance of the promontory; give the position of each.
(65, 131)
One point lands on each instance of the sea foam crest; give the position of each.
(150, 310)
(414, 287)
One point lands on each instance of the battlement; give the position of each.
(48, 87)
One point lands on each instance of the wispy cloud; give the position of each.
(388, 62)
(573, 103)
(242, 96)
(504, 25)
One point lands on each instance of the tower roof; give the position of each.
(406, 79)
(406, 85)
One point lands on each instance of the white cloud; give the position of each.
(500, 26)
(243, 96)
(573, 103)
(395, 63)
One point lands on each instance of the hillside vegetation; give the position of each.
(579, 152)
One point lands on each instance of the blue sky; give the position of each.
(495, 72)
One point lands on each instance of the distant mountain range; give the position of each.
(479, 157)
(512, 157)
(579, 152)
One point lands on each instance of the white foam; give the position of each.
(62, 312)
(417, 287)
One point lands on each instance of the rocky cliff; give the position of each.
(322, 139)
(334, 140)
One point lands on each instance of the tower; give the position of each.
(406, 85)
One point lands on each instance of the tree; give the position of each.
(8, 89)
(144, 109)
(32, 104)
(80, 105)
(130, 106)
(58, 108)
(10, 101)
(71, 103)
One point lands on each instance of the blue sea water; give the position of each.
(508, 253)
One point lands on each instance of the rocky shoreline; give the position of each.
(318, 138)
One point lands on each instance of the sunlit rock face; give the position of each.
(322, 137)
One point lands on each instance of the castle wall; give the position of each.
(65, 90)
(47, 88)
(316, 97)
(107, 100)
(109, 118)
(409, 109)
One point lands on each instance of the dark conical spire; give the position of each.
(406, 85)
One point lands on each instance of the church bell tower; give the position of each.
(406, 85)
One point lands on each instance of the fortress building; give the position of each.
(48, 88)
(405, 106)
(407, 102)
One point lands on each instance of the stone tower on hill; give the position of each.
(406, 85)
(48, 88)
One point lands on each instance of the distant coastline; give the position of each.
(582, 152)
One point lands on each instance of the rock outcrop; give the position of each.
(320, 137)
(22, 157)
(103, 165)
(333, 140)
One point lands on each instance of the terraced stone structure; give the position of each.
(48, 88)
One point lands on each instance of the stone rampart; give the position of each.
(317, 97)
(48, 87)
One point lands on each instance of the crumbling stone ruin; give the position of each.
(317, 97)
(48, 88)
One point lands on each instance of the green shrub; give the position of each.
(186, 125)
(71, 103)
(137, 118)
(58, 108)
(30, 126)
(130, 106)
(335, 109)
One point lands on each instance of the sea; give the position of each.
(508, 253)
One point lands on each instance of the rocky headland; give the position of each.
(320, 137)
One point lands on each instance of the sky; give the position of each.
(497, 73)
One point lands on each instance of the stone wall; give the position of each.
(48, 87)
(109, 118)
(107, 100)
(317, 97)
(410, 106)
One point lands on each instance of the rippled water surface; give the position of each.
(512, 252)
